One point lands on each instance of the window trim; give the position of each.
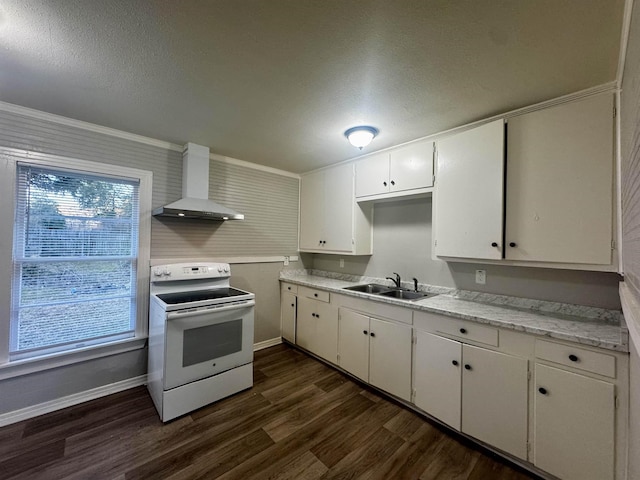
(9, 159)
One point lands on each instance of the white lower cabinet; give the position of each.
(376, 351)
(574, 419)
(480, 392)
(288, 316)
(438, 377)
(317, 327)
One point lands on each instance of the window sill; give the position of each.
(55, 360)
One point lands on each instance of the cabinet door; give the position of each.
(306, 323)
(494, 399)
(325, 343)
(372, 175)
(560, 183)
(437, 377)
(390, 357)
(288, 316)
(353, 343)
(339, 203)
(468, 201)
(574, 425)
(312, 204)
(411, 167)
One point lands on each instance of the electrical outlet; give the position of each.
(342, 263)
(481, 277)
(286, 260)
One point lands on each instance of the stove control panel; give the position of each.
(182, 271)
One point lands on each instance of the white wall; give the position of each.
(402, 243)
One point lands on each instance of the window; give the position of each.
(75, 260)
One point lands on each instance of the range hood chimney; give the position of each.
(195, 201)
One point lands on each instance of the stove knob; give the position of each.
(157, 272)
(220, 269)
(226, 269)
(166, 272)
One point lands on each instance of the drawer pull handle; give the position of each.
(542, 390)
(454, 362)
(467, 366)
(573, 358)
(463, 330)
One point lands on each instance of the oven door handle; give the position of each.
(204, 311)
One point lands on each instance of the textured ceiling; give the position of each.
(276, 82)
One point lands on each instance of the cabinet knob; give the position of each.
(373, 334)
(455, 362)
(313, 314)
(384, 183)
(293, 304)
(288, 288)
(494, 244)
(315, 294)
(392, 182)
(542, 390)
(467, 366)
(512, 244)
(463, 330)
(573, 358)
(365, 332)
(317, 315)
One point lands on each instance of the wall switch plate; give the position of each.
(286, 260)
(481, 277)
(342, 263)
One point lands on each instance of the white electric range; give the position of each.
(200, 337)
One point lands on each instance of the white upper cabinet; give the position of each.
(558, 171)
(405, 170)
(330, 219)
(468, 203)
(560, 183)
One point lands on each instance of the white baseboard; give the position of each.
(70, 400)
(267, 343)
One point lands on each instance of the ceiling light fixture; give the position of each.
(361, 136)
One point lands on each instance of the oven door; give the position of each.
(204, 342)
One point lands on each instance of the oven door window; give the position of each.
(207, 343)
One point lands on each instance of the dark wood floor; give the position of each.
(301, 420)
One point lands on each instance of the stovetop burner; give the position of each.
(199, 295)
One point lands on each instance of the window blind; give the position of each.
(74, 257)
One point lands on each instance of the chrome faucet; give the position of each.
(415, 284)
(395, 280)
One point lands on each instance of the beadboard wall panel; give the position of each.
(630, 154)
(630, 192)
(269, 201)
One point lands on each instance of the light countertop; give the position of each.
(575, 323)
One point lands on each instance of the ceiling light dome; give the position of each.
(361, 136)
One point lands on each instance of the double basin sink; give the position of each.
(386, 291)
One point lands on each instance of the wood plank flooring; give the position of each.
(301, 421)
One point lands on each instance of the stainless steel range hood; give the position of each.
(195, 201)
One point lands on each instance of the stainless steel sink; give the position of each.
(372, 288)
(405, 294)
(386, 291)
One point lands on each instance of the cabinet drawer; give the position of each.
(313, 293)
(456, 328)
(576, 357)
(289, 287)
